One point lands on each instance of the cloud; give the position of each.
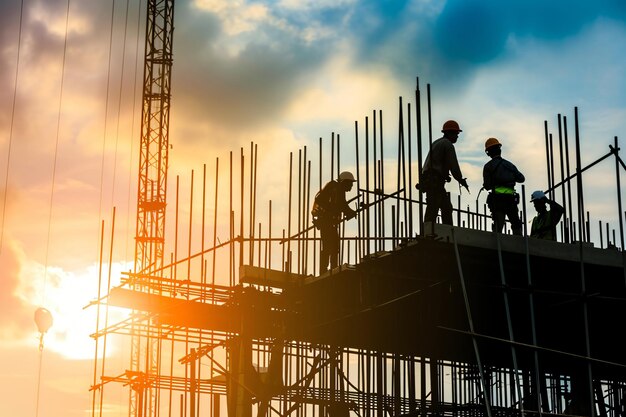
(15, 315)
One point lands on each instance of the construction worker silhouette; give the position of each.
(440, 162)
(544, 223)
(499, 178)
(328, 206)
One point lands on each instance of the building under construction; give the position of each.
(419, 319)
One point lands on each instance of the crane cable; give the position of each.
(6, 178)
(54, 167)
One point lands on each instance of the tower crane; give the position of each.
(152, 186)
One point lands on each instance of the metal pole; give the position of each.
(367, 185)
(619, 194)
(468, 311)
(375, 179)
(241, 243)
(566, 237)
(569, 182)
(579, 182)
(545, 125)
(552, 166)
(289, 211)
(381, 176)
(418, 134)
(358, 187)
(410, 186)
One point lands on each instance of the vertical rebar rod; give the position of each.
(367, 187)
(552, 166)
(418, 135)
(468, 312)
(338, 154)
(375, 181)
(308, 200)
(217, 173)
(188, 277)
(579, 181)
(566, 237)
(410, 166)
(203, 224)
(268, 260)
(547, 140)
(619, 193)
(332, 156)
(288, 269)
(430, 122)
(305, 205)
(600, 233)
(359, 245)
(400, 144)
(509, 322)
(241, 206)
(299, 211)
(381, 176)
(231, 221)
(569, 181)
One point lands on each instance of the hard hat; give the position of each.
(491, 142)
(346, 176)
(451, 125)
(537, 195)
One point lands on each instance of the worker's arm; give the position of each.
(557, 211)
(487, 183)
(453, 164)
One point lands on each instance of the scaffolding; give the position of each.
(246, 326)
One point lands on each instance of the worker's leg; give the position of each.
(513, 215)
(446, 209)
(498, 212)
(324, 252)
(334, 247)
(434, 201)
(498, 220)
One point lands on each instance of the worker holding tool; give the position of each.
(440, 162)
(328, 206)
(499, 178)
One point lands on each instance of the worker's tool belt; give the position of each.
(499, 201)
(430, 181)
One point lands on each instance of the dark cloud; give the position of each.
(448, 47)
(249, 88)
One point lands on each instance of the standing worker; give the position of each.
(544, 223)
(440, 162)
(328, 206)
(499, 178)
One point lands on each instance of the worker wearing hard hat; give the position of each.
(440, 162)
(544, 223)
(328, 206)
(499, 178)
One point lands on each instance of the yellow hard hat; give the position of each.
(491, 142)
(451, 125)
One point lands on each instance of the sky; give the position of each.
(280, 74)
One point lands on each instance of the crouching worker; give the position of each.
(329, 204)
(545, 222)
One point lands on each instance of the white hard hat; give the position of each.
(537, 195)
(346, 176)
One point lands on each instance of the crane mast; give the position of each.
(152, 188)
